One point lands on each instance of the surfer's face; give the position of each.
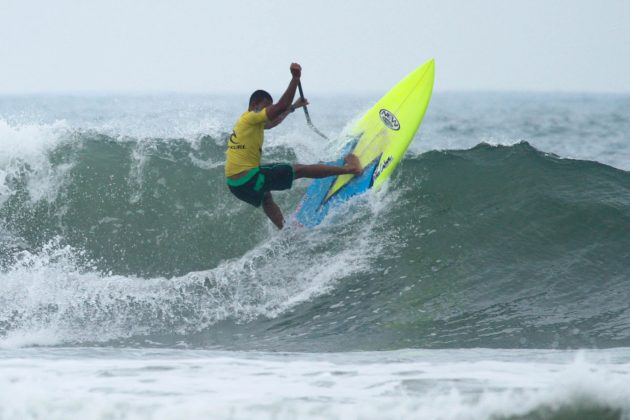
(260, 105)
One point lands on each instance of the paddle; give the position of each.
(308, 117)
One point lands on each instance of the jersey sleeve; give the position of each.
(256, 117)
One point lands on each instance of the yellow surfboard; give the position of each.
(387, 129)
(379, 139)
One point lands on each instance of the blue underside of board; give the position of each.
(313, 209)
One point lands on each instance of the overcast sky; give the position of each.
(344, 46)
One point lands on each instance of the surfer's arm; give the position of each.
(276, 110)
(297, 104)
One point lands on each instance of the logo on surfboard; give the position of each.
(380, 168)
(389, 120)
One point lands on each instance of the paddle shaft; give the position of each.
(308, 117)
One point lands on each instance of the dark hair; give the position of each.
(258, 96)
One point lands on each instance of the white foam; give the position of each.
(59, 301)
(24, 155)
(407, 384)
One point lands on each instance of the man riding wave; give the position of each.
(253, 183)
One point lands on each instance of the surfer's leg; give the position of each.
(272, 210)
(352, 166)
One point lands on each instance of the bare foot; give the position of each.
(353, 163)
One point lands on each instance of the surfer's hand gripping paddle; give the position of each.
(308, 117)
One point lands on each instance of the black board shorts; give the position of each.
(252, 187)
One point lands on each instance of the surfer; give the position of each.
(253, 183)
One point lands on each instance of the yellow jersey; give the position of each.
(245, 144)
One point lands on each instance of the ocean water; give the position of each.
(488, 279)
